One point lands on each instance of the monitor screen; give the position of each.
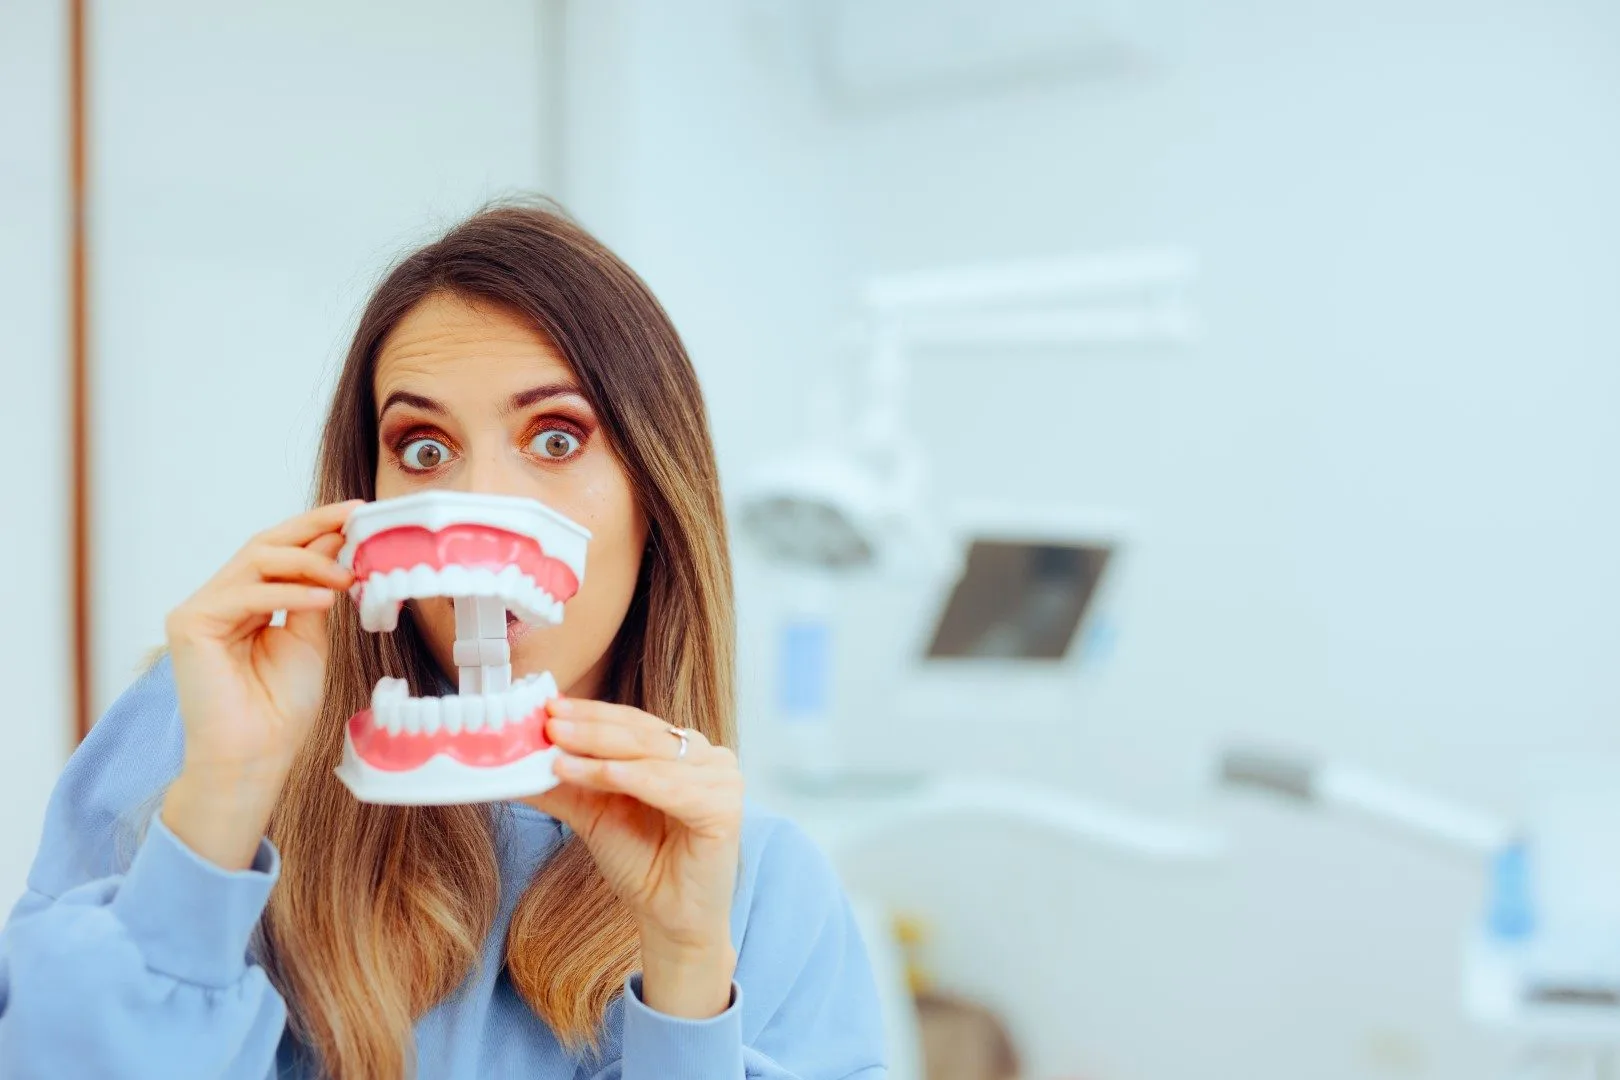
(1019, 600)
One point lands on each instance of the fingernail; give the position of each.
(560, 706)
(568, 766)
(563, 727)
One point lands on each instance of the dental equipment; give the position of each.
(1543, 960)
(820, 520)
(854, 812)
(866, 509)
(1344, 787)
(490, 554)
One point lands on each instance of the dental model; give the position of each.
(492, 554)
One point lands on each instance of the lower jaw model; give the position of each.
(490, 554)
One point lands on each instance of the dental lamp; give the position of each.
(818, 519)
(866, 508)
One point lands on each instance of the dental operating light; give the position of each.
(867, 509)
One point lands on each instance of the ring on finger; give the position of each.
(686, 740)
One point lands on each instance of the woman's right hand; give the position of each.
(248, 691)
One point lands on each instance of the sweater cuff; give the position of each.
(191, 919)
(670, 1048)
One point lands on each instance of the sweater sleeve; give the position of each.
(138, 970)
(804, 1005)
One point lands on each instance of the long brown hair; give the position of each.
(382, 911)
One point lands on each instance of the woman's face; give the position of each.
(471, 398)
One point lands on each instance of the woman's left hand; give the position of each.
(665, 830)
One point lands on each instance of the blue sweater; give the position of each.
(127, 960)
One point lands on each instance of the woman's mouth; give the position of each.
(516, 628)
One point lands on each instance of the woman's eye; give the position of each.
(555, 444)
(421, 455)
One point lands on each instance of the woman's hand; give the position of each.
(665, 833)
(249, 691)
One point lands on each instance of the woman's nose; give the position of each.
(493, 471)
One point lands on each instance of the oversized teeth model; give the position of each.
(490, 554)
(447, 543)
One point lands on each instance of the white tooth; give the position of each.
(548, 686)
(509, 584)
(494, 711)
(390, 616)
(454, 580)
(411, 716)
(378, 712)
(369, 604)
(371, 612)
(450, 714)
(423, 581)
(381, 586)
(379, 693)
(472, 714)
(430, 715)
(516, 704)
(394, 716)
(483, 582)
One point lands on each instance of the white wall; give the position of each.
(1373, 516)
(251, 175)
(256, 172)
(34, 596)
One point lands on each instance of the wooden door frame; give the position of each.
(79, 496)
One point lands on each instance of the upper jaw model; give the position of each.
(490, 554)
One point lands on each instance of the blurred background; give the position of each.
(1171, 450)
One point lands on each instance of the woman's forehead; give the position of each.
(464, 349)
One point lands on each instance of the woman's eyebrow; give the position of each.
(525, 398)
(405, 397)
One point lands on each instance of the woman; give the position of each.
(636, 921)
